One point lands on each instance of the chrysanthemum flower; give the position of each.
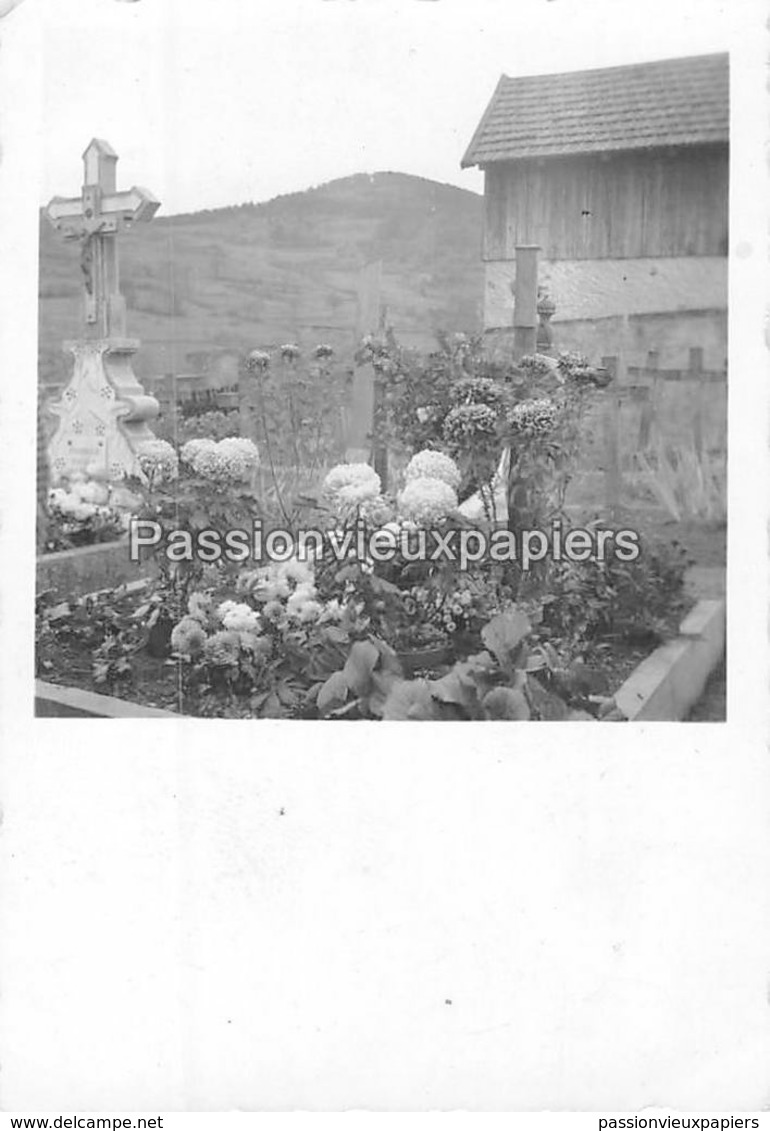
(222, 649)
(425, 501)
(351, 475)
(466, 421)
(479, 390)
(240, 456)
(231, 460)
(534, 419)
(355, 495)
(429, 464)
(188, 637)
(238, 617)
(302, 596)
(191, 452)
(158, 460)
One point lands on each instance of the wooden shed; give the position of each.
(620, 175)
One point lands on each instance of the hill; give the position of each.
(202, 284)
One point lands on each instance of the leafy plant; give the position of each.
(492, 685)
(687, 483)
(598, 600)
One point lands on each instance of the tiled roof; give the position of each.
(645, 105)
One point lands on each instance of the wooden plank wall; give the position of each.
(619, 206)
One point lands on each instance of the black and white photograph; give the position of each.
(388, 445)
(368, 361)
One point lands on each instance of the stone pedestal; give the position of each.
(103, 413)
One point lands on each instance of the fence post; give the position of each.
(612, 471)
(379, 450)
(248, 393)
(525, 301)
(696, 369)
(362, 398)
(650, 406)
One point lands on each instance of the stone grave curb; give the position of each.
(662, 688)
(53, 700)
(88, 568)
(668, 683)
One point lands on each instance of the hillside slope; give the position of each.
(287, 270)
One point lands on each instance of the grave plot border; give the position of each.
(85, 569)
(662, 688)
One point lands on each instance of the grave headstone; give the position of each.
(103, 412)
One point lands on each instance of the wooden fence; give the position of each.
(646, 407)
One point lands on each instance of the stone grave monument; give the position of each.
(103, 413)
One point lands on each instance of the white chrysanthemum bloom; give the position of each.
(534, 418)
(190, 452)
(347, 475)
(187, 637)
(231, 460)
(302, 595)
(158, 460)
(239, 617)
(425, 501)
(59, 498)
(355, 495)
(240, 454)
(311, 611)
(199, 606)
(429, 464)
(90, 491)
(273, 611)
(298, 571)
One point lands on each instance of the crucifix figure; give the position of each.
(104, 412)
(95, 218)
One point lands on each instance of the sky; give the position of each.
(210, 104)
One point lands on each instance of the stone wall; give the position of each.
(672, 305)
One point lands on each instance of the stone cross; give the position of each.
(103, 413)
(95, 217)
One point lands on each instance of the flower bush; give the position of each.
(295, 413)
(211, 489)
(351, 636)
(83, 511)
(232, 460)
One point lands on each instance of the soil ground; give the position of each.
(712, 705)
